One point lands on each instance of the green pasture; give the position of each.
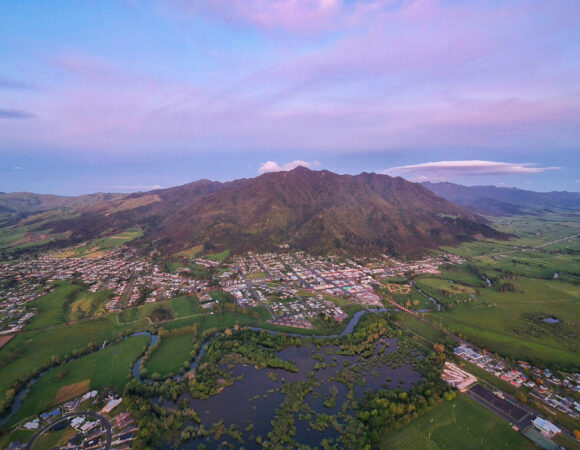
(191, 252)
(170, 355)
(88, 304)
(446, 292)
(32, 349)
(106, 243)
(177, 307)
(510, 323)
(460, 424)
(251, 316)
(413, 300)
(221, 256)
(105, 368)
(416, 326)
(52, 308)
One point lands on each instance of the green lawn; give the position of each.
(460, 424)
(254, 316)
(106, 368)
(185, 306)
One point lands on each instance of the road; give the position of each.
(524, 249)
(104, 421)
(256, 297)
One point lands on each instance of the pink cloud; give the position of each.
(465, 76)
(296, 15)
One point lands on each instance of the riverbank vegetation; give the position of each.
(341, 416)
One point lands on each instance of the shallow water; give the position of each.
(248, 400)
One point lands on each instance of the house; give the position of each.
(50, 415)
(112, 404)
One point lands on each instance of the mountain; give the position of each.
(500, 201)
(317, 211)
(27, 202)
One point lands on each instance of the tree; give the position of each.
(521, 397)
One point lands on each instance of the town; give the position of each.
(275, 280)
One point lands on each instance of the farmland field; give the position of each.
(459, 424)
(32, 349)
(533, 276)
(106, 368)
(97, 247)
(511, 323)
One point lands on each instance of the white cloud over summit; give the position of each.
(273, 166)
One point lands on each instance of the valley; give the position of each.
(339, 350)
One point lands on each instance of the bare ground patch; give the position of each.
(71, 391)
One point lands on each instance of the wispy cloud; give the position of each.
(445, 170)
(17, 168)
(14, 114)
(393, 75)
(273, 166)
(303, 16)
(6, 83)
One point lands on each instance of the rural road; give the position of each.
(94, 415)
(523, 249)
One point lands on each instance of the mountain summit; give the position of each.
(317, 211)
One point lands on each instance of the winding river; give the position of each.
(20, 396)
(431, 299)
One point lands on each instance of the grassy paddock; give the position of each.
(510, 323)
(32, 349)
(169, 357)
(106, 368)
(52, 307)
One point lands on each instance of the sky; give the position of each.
(132, 95)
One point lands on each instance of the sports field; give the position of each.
(459, 424)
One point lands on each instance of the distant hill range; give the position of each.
(26, 202)
(501, 201)
(317, 211)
